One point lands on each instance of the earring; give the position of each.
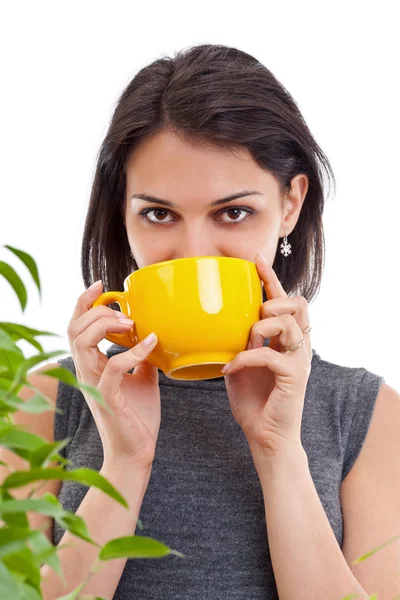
(285, 247)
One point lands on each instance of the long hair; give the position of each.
(220, 96)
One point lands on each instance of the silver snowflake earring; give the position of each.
(285, 247)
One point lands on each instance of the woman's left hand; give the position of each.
(266, 387)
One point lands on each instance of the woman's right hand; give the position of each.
(130, 436)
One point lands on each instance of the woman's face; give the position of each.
(189, 178)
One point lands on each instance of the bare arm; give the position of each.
(106, 519)
(306, 558)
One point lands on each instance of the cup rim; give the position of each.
(166, 262)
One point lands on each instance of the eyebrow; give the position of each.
(229, 198)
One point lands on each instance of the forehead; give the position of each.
(166, 164)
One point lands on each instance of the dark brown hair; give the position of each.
(213, 95)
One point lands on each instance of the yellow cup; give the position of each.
(201, 309)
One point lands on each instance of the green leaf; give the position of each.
(76, 525)
(63, 375)
(28, 593)
(29, 331)
(18, 366)
(6, 342)
(85, 476)
(13, 539)
(10, 359)
(32, 361)
(35, 404)
(5, 410)
(47, 452)
(18, 520)
(135, 546)
(15, 281)
(9, 587)
(30, 263)
(5, 426)
(17, 332)
(374, 550)
(16, 438)
(69, 378)
(46, 553)
(22, 562)
(21, 332)
(74, 594)
(68, 520)
(41, 505)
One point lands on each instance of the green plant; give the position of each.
(23, 550)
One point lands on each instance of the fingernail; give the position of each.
(148, 341)
(226, 367)
(121, 316)
(125, 321)
(263, 259)
(95, 285)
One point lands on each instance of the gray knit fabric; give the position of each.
(204, 497)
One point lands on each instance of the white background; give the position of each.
(63, 68)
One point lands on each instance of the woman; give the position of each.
(257, 477)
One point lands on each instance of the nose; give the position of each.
(193, 251)
(196, 242)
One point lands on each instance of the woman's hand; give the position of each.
(266, 387)
(130, 435)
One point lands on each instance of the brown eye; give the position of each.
(160, 214)
(157, 212)
(235, 212)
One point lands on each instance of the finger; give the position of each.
(262, 357)
(285, 327)
(87, 356)
(86, 299)
(296, 306)
(79, 325)
(119, 364)
(272, 285)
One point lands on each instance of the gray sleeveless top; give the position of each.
(204, 497)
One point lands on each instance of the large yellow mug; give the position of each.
(201, 309)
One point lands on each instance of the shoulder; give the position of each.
(381, 447)
(346, 384)
(369, 498)
(342, 399)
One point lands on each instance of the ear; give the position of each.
(294, 202)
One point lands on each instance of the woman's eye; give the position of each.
(162, 212)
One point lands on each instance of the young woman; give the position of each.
(275, 477)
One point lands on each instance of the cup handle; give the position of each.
(122, 339)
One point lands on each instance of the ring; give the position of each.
(295, 346)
